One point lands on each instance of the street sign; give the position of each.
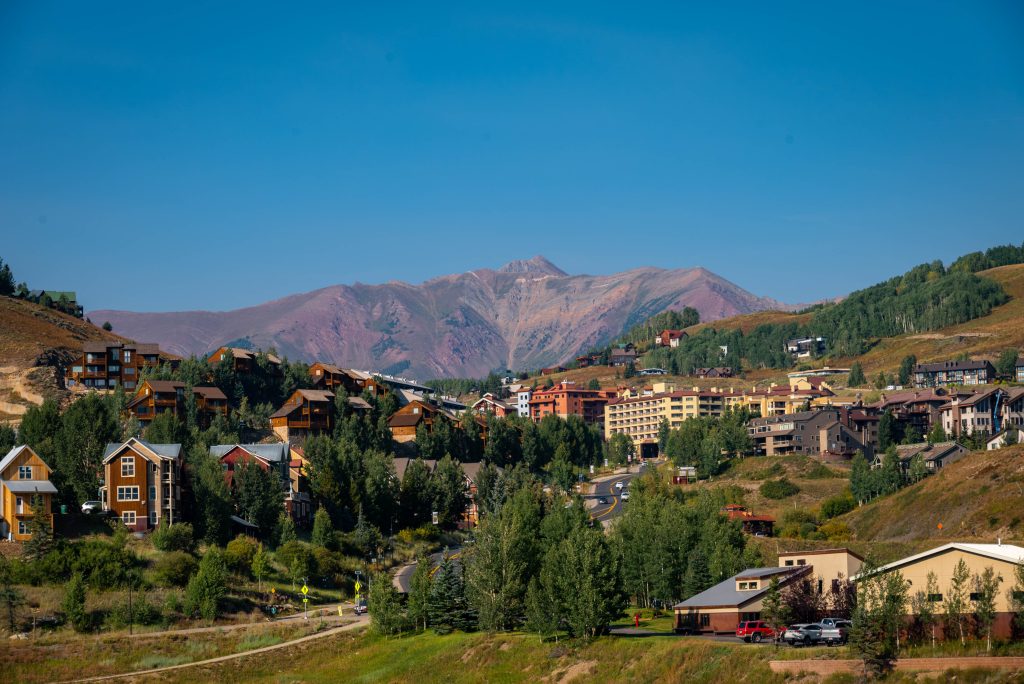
(433, 517)
(305, 590)
(273, 590)
(359, 585)
(305, 600)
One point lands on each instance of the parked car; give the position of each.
(792, 633)
(90, 507)
(809, 635)
(839, 633)
(754, 631)
(360, 608)
(625, 495)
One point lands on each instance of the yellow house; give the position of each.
(25, 492)
(942, 560)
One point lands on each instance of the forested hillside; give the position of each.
(926, 298)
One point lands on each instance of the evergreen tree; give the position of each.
(380, 489)
(907, 369)
(449, 492)
(86, 428)
(697, 577)
(856, 378)
(773, 610)
(415, 496)
(10, 596)
(448, 607)
(258, 496)
(73, 603)
(878, 619)
(285, 529)
(888, 431)
(6, 280)
(418, 603)
(212, 500)
(936, 434)
(41, 540)
(496, 569)
(207, 588)
(860, 478)
(323, 530)
(891, 473)
(8, 438)
(1006, 364)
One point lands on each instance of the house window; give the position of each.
(935, 598)
(705, 620)
(127, 493)
(976, 596)
(152, 493)
(801, 562)
(152, 519)
(127, 356)
(128, 517)
(127, 466)
(743, 585)
(24, 472)
(23, 528)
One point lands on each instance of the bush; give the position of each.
(142, 613)
(837, 505)
(238, 555)
(778, 489)
(106, 565)
(424, 533)
(296, 558)
(207, 587)
(176, 537)
(175, 568)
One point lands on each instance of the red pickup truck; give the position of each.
(754, 630)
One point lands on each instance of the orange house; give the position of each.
(306, 411)
(329, 377)
(142, 483)
(25, 492)
(404, 421)
(566, 399)
(244, 360)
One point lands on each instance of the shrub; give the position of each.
(239, 554)
(837, 505)
(835, 531)
(207, 587)
(426, 533)
(820, 471)
(296, 557)
(176, 537)
(175, 568)
(778, 489)
(106, 565)
(73, 604)
(142, 613)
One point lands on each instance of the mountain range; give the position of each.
(525, 315)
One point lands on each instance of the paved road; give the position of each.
(605, 487)
(403, 576)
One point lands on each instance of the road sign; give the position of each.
(273, 590)
(305, 600)
(359, 585)
(433, 517)
(305, 590)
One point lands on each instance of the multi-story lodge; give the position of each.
(567, 399)
(330, 377)
(919, 409)
(985, 411)
(815, 433)
(154, 397)
(244, 359)
(25, 493)
(953, 373)
(142, 483)
(805, 347)
(306, 412)
(107, 365)
(491, 404)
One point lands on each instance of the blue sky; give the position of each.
(163, 156)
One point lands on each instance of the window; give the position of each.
(127, 493)
(743, 585)
(935, 598)
(127, 356)
(128, 517)
(976, 596)
(24, 472)
(152, 519)
(705, 620)
(152, 493)
(753, 585)
(789, 562)
(801, 562)
(127, 466)
(23, 527)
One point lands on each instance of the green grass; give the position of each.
(258, 641)
(155, 661)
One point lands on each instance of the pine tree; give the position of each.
(860, 478)
(285, 529)
(208, 586)
(773, 610)
(73, 603)
(906, 369)
(323, 530)
(448, 607)
(856, 378)
(41, 540)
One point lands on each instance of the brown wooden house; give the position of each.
(154, 397)
(406, 420)
(327, 376)
(306, 412)
(108, 365)
(244, 359)
(142, 483)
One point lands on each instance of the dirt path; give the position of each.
(363, 621)
(827, 667)
(331, 615)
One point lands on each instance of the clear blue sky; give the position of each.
(157, 156)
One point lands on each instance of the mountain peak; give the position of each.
(537, 264)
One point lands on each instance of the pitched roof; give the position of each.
(1003, 552)
(405, 419)
(165, 385)
(402, 464)
(725, 593)
(951, 365)
(209, 392)
(13, 454)
(315, 395)
(274, 453)
(165, 451)
(30, 486)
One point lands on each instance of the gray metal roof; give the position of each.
(172, 451)
(725, 593)
(30, 486)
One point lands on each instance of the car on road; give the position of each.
(792, 633)
(360, 608)
(90, 507)
(603, 500)
(619, 484)
(625, 495)
(809, 635)
(754, 631)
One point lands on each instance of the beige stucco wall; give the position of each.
(827, 566)
(943, 566)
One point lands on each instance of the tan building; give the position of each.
(640, 415)
(25, 493)
(723, 606)
(1003, 558)
(142, 483)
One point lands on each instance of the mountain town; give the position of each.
(764, 500)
